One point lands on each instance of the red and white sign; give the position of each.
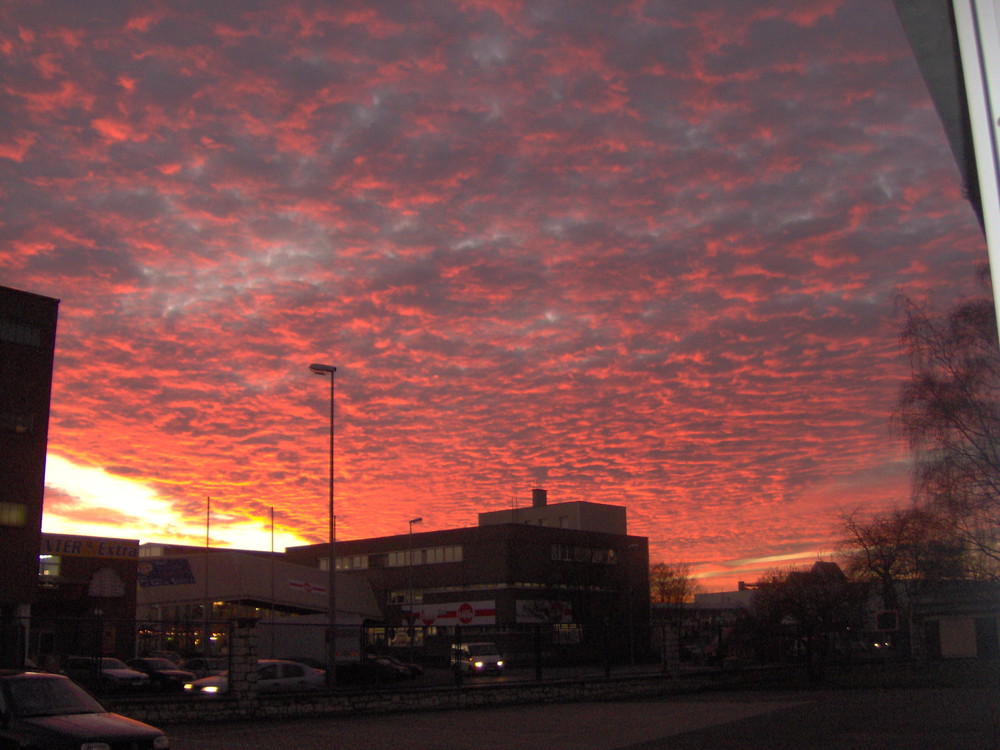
(310, 588)
(458, 613)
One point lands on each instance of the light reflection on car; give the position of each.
(273, 675)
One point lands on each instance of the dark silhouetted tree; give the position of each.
(818, 605)
(949, 412)
(897, 551)
(672, 583)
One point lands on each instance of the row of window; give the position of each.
(399, 559)
(570, 553)
(425, 556)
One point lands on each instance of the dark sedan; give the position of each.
(164, 674)
(44, 710)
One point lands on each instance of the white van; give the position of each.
(476, 658)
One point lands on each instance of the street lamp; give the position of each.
(331, 670)
(410, 618)
(632, 552)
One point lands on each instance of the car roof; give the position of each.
(30, 673)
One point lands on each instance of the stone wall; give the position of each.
(191, 709)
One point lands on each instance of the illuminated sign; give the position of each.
(79, 546)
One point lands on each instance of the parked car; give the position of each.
(45, 710)
(205, 666)
(168, 655)
(106, 674)
(404, 668)
(383, 669)
(273, 675)
(476, 658)
(164, 675)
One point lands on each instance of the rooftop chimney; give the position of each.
(539, 498)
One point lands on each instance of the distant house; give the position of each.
(957, 619)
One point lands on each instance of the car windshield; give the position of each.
(484, 650)
(49, 695)
(108, 663)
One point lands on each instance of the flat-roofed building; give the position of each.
(507, 580)
(27, 348)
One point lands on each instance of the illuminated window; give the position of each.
(49, 566)
(19, 423)
(13, 514)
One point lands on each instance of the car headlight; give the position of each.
(478, 665)
(210, 689)
(499, 664)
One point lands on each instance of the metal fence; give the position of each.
(366, 655)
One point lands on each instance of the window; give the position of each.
(49, 566)
(13, 514)
(567, 553)
(424, 556)
(20, 333)
(106, 583)
(18, 423)
(353, 562)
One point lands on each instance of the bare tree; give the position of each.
(900, 550)
(672, 584)
(949, 412)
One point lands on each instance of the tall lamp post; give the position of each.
(331, 669)
(410, 632)
(632, 552)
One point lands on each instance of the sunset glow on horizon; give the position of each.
(642, 253)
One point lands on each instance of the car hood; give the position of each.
(92, 726)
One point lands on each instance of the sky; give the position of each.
(645, 253)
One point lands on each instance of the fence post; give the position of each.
(243, 661)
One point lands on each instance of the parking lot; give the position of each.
(797, 720)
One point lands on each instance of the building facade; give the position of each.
(508, 582)
(85, 602)
(188, 596)
(27, 348)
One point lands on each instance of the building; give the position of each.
(567, 573)
(957, 620)
(86, 598)
(957, 46)
(188, 597)
(27, 348)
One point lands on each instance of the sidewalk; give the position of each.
(903, 719)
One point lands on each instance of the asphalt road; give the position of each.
(942, 719)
